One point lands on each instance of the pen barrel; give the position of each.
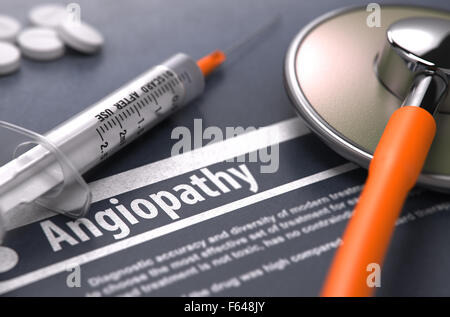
(393, 171)
(102, 129)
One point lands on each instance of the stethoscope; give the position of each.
(347, 81)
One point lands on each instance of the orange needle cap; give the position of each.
(211, 62)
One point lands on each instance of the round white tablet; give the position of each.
(40, 44)
(8, 259)
(9, 58)
(47, 15)
(9, 28)
(80, 36)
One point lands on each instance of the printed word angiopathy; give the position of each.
(118, 219)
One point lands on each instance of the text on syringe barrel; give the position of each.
(105, 127)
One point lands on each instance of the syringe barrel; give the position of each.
(102, 129)
(49, 173)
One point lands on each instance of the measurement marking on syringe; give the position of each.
(118, 121)
(188, 77)
(161, 89)
(139, 114)
(101, 136)
(154, 98)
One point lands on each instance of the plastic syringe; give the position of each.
(50, 172)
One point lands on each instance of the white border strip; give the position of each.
(93, 255)
(196, 159)
(176, 165)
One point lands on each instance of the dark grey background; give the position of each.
(248, 91)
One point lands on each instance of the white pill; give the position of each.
(47, 15)
(9, 58)
(9, 28)
(80, 36)
(40, 44)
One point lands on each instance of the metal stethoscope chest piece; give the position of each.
(415, 61)
(414, 65)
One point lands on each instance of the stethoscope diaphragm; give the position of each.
(332, 80)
